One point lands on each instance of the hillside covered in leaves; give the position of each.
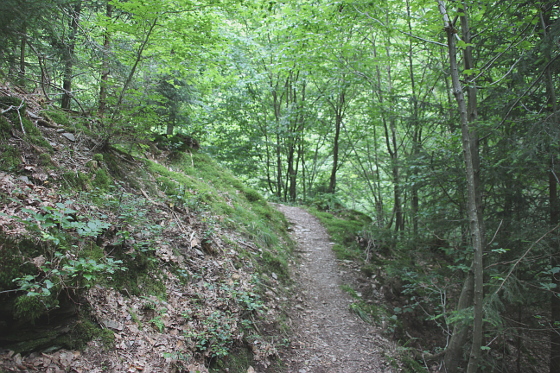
(145, 257)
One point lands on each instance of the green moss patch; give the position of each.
(5, 128)
(343, 229)
(34, 135)
(57, 116)
(10, 156)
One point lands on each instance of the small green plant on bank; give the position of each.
(158, 323)
(217, 334)
(62, 235)
(247, 300)
(179, 356)
(53, 221)
(155, 306)
(56, 275)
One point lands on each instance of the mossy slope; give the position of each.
(139, 227)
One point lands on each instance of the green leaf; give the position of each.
(471, 71)
(462, 45)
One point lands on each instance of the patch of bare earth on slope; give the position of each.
(328, 337)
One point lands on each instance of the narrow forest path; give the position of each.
(328, 337)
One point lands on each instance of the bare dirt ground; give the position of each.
(328, 338)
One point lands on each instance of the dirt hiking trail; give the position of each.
(328, 337)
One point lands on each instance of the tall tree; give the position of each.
(468, 116)
(547, 22)
(105, 62)
(69, 53)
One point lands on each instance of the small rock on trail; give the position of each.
(328, 338)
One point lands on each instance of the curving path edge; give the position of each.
(328, 337)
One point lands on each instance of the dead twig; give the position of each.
(495, 234)
(18, 110)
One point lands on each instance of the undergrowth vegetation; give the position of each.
(399, 291)
(344, 226)
(140, 228)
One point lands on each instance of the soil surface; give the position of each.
(328, 337)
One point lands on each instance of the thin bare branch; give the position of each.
(523, 256)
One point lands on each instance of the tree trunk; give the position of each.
(23, 43)
(105, 66)
(152, 26)
(276, 104)
(69, 56)
(170, 128)
(290, 189)
(554, 202)
(454, 352)
(338, 108)
(468, 115)
(554, 363)
(389, 128)
(417, 130)
(297, 98)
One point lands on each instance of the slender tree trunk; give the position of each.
(395, 161)
(554, 202)
(379, 205)
(290, 188)
(278, 167)
(288, 138)
(23, 43)
(301, 151)
(300, 136)
(332, 180)
(276, 106)
(454, 352)
(338, 108)
(389, 127)
(417, 130)
(554, 363)
(467, 113)
(269, 164)
(151, 26)
(69, 56)
(296, 101)
(397, 194)
(171, 124)
(105, 71)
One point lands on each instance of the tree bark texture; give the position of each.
(338, 108)
(23, 42)
(69, 56)
(454, 352)
(554, 202)
(105, 71)
(467, 111)
(554, 362)
(389, 127)
(417, 130)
